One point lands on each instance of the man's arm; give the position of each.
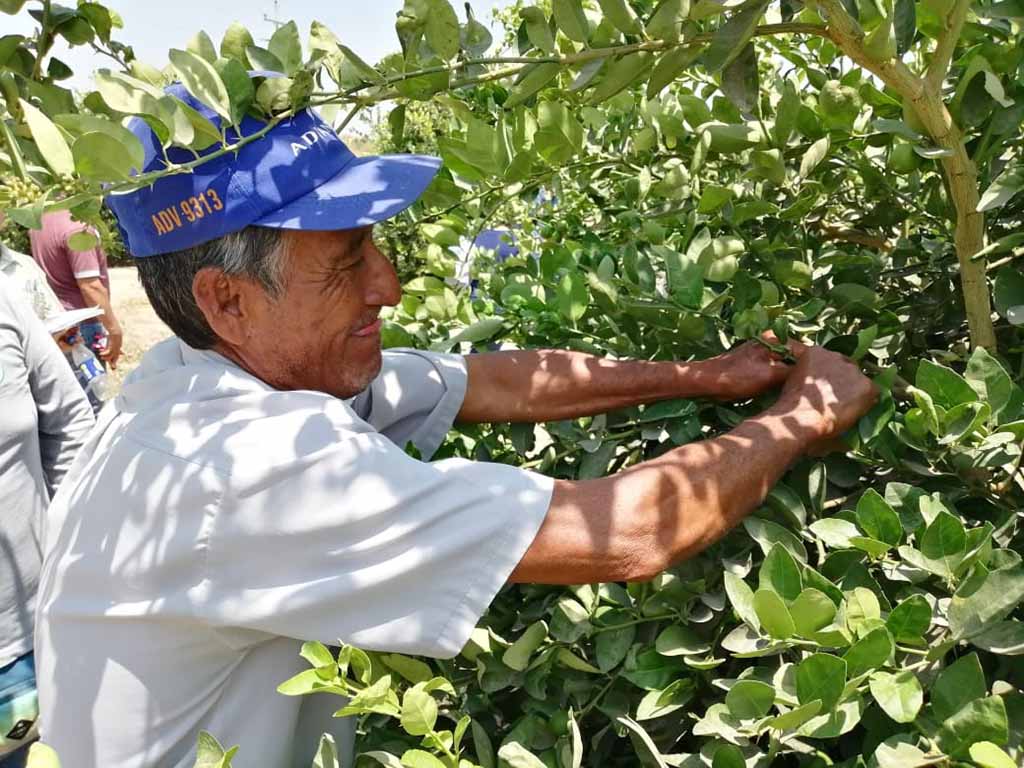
(550, 385)
(633, 525)
(64, 415)
(97, 295)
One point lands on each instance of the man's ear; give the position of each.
(225, 303)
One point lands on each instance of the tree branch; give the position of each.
(938, 67)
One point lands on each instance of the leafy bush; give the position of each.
(677, 178)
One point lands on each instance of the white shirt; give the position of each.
(31, 281)
(211, 524)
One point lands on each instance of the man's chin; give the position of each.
(350, 383)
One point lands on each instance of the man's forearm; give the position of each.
(96, 295)
(550, 385)
(633, 525)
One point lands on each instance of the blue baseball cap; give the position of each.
(300, 175)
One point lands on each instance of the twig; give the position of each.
(946, 46)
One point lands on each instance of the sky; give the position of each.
(152, 27)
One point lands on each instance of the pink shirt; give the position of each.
(63, 266)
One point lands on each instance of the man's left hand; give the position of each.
(749, 370)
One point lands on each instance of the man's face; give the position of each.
(323, 332)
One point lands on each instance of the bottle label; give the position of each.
(87, 370)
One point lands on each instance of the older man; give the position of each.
(248, 490)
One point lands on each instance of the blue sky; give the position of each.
(152, 27)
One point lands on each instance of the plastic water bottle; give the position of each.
(90, 373)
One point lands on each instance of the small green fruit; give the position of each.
(840, 104)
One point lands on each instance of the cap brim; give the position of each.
(366, 191)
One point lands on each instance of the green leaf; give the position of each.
(780, 573)
(317, 654)
(264, 60)
(241, 92)
(83, 240)
(980, 720)
(821, 676)
(49, 140)
(573, 296)
(788, 721)
(620, 74)
(773, 614)
(985, 754)
(1000, 191)
(383, 758)
(286, 47)
(417, 758)
(669, 66)
(713, 199)
(517, 655)
(870, 652)
(957, 685)
(610, 647)
(535, 78)
(326, 753)
(659, 703)
(482, 746)
(201, 79)
(209, 752)
(817, 152)
(571, 20)
(741, 83)
(731, 38)
(1008, 294)
(678, 640)
(236, 41)
(946, 387)
(1001, 592)
(666, 23)
(419, 711)
(877, 519)
(766, 534)
(897, 752)
(741, 596)
(986, 375)
(537, 28)
(130, 144)
(621, 15)
(899, 695)
(835, 532)
(101, 157)
(1005, 638)
(442, 29)
(909, 620)
(201, 45)
(413, 670)
(944, 542)
(812, 610)
(644, 745)
(750, 699)
(514, 755)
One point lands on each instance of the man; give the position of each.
(43, 424)
(248, 490)
(29, 280)
(79, 278)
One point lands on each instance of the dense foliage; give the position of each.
(677, 177)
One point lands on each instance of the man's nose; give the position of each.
(383, 288)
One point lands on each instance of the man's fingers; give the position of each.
(796, 348)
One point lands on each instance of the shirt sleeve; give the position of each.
(84, 264)
(415, 398)
(64, 415)
(362, 543)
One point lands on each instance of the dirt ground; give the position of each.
(142, 328)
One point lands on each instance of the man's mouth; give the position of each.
(370, 329)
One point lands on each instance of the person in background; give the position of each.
(79, 278)
(29, 280)
(43, 424)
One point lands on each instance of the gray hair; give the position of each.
(252, 253)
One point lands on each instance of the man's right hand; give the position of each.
(112, 352)
(827, 393)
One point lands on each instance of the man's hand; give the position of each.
(749, 370)
(827, 394)
(112, 352)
